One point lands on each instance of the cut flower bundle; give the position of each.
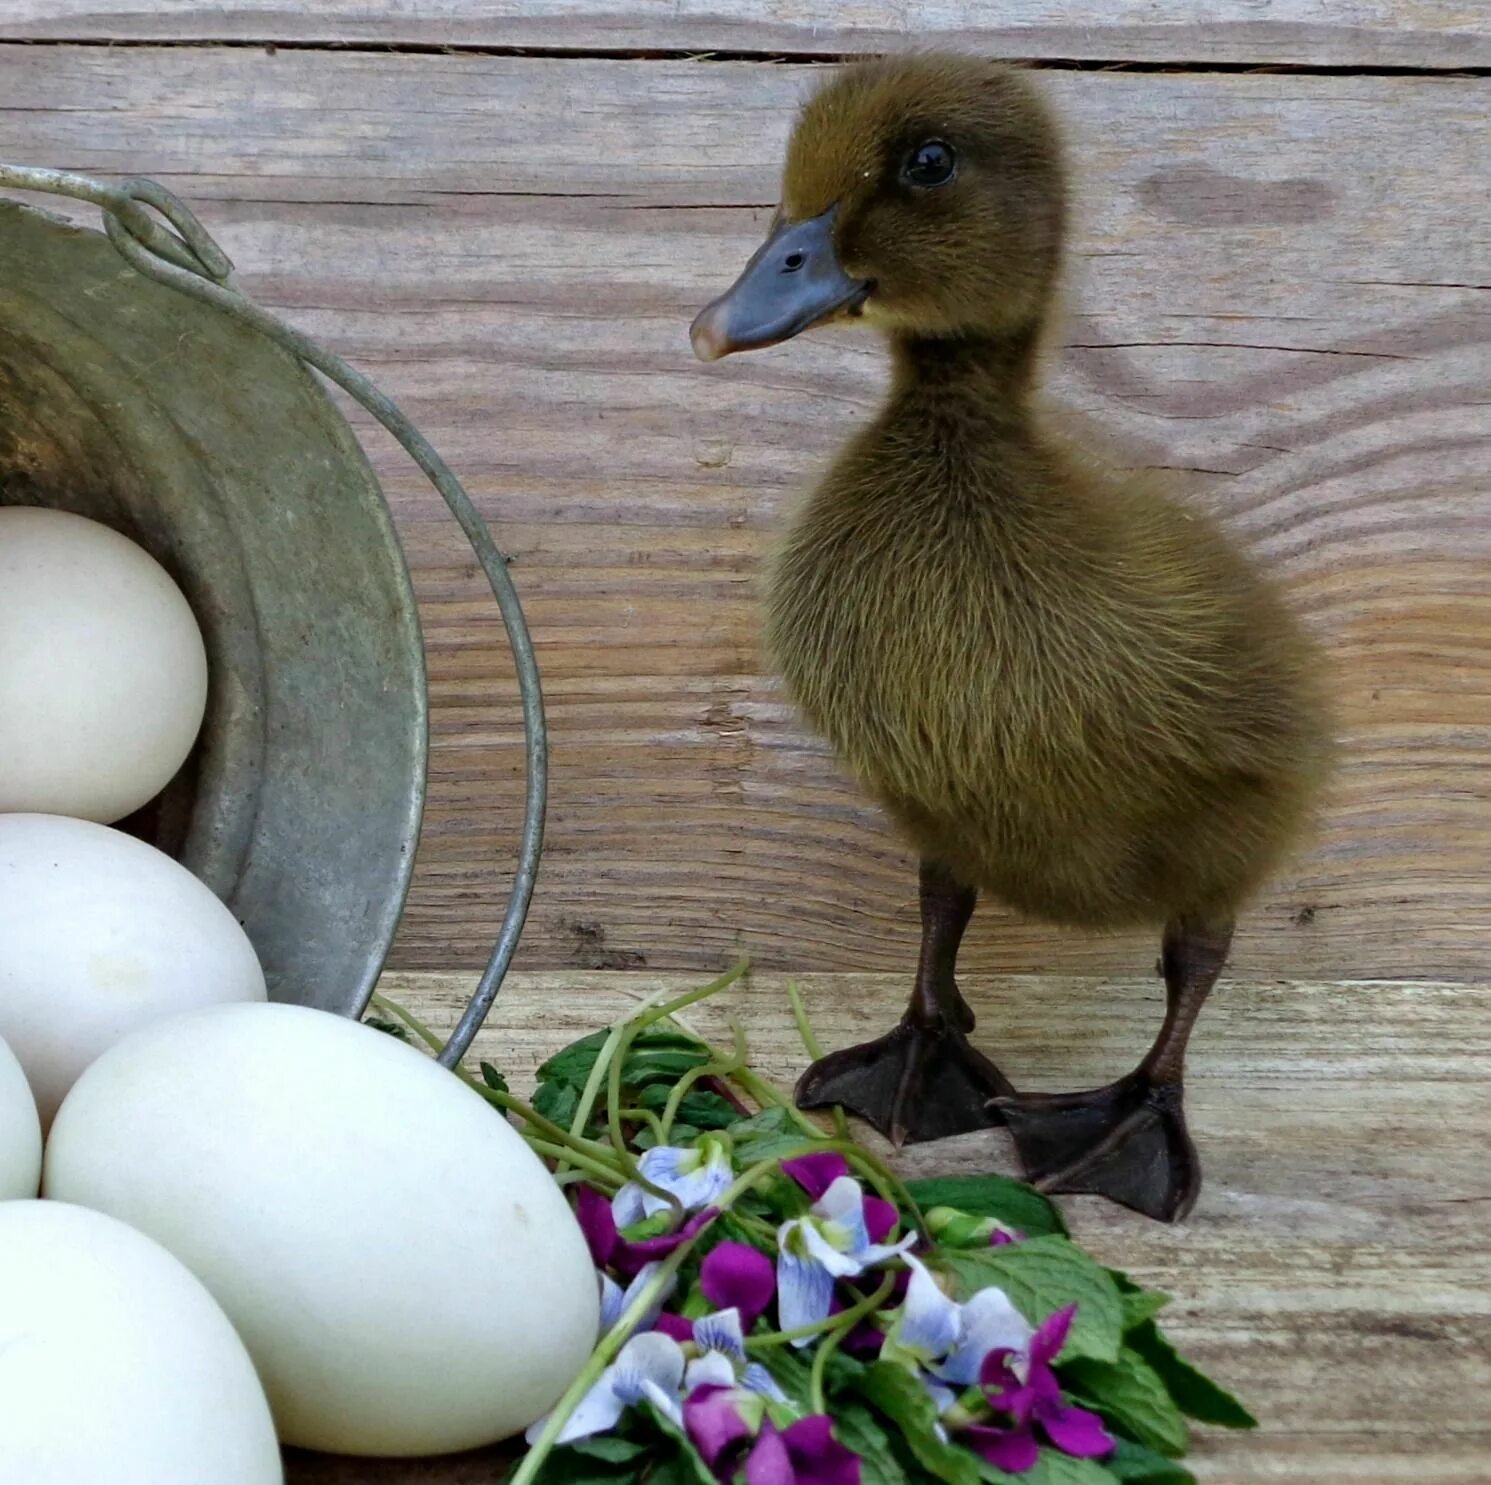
(778, 1307)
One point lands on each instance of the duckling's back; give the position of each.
(1066, 687)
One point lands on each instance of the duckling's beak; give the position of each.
(793, 282)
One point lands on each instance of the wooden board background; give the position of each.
(1278, 292)
(1335, 1270)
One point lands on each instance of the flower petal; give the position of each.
(805, 1292)
(593, 1212)
(757, 1379)
(768, 1463)
(721, 1332)
(844, 1203)
(990, 1323)
(676, 1326)
(735, 1275)
(1050, 1336)
(930, 1324)
(1012, 1450)
(630, 1257)
(629, 1205)
(598, 1411)
(820, 1250)
(1075, 1431)
(942, 1396)
(650, 1358)
(712, 1369)
(665, 1402)
(613, 1301)
(881, 1218)
(818, 1458)
(816, 1173)
(714, 1422)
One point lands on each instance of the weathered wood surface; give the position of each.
(1335, 1271)
(1399, 33)
(1279, 290)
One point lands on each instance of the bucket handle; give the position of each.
(184, 257)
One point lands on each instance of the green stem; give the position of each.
(563, 1153)
(714, 1069)
(839, 1331)
(592, 1089)
(553, 1134)
(646, 1116)
(614, 1129)
(853, 1315)
(418, 1027)
(814, 1049)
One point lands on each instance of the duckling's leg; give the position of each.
(1128, 1141)
(923, 1080)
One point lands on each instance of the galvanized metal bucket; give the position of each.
(139, 388)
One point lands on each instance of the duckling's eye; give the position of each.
(931, 163)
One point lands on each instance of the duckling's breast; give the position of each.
(1101, 720)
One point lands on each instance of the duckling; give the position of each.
(1066, 688)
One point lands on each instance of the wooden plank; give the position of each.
(1401, 33)
(1334, 1272)
(1277, 279)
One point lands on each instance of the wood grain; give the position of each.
(1399, 33)
(1334, 1272)
(1278, 295)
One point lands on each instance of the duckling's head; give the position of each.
(923, 194)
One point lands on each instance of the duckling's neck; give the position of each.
(988, 378)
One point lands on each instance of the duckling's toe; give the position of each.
(915, 1084)
(1127, 1142)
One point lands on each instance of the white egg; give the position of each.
(116, 1366)
(103, 674)
(405, 1272)
(20, 1131)
(100, 933)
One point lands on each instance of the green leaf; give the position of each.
(1043, 1275)
(1133, 1398)
(557, 1102)
(1140, 1305)
(770, 1135)
(572, 1066)
(569, 1465)
(1056, 1468)
(395, 1029)
(689, 1461)
(1011, 1202)
(790, 1372)
(881, 1462)
(1133, 1462)
(494, 1079)
(1195, 1394)
(1052, 1468)
(901, 1398)
(702, 1109)
(610, 1448)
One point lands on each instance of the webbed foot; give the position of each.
(919, 1082)
(1127, 1142)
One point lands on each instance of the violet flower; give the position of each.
(720, 1422)
(608, 1249)
(722, 1360)
(805, 1453)
(946, 1343)
(739, 1277)
(616, 1301)
(1024, 1387)
(832, 1242)
(649, 1368)
(695, 1176)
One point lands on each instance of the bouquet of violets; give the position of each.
(780, 1308)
